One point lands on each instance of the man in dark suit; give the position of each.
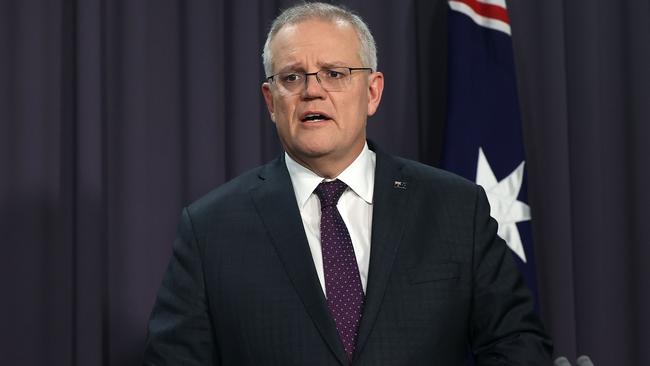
(337, 253)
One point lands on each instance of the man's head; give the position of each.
(321, 118)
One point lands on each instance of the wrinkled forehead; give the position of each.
(315, 42)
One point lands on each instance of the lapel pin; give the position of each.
(399, 185)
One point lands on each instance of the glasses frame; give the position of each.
(271, 78)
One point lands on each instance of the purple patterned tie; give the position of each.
(342, 281)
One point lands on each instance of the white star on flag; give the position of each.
(504, 206)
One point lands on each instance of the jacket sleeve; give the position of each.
(505, 330)
(180, 330)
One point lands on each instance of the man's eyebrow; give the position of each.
(332, 64)
(297, 66)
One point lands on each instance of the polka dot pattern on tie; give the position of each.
(345, 296)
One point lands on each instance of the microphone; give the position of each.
(561, 361)
(584, 360)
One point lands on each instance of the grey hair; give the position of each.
(313, 10)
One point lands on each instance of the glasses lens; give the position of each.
(334, 79)
(290, 82)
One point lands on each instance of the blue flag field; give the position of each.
(483, 136)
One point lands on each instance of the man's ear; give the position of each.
(268, 98)
(375, 89)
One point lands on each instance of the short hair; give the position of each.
(315, 10)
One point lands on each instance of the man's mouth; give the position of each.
(314, 117)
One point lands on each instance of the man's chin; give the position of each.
(312, 153)
(308, 154)
(318, 150)
(312, 148)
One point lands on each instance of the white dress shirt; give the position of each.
(355, 207)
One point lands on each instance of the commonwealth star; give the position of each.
(504, 206)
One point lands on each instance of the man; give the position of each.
(337, 253)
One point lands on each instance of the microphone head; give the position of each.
(561, 361)
(584, 360)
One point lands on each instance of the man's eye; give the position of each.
(291, 78)
(333, 74)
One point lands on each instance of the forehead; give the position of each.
(316, 42)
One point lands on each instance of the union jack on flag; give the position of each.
(483, 136)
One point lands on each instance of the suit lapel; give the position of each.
(391, 194)
(275, 202)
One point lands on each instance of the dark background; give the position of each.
(116, 113)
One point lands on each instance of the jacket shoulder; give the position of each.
(435, 177)
(230, 194)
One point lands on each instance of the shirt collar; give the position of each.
(359, 176)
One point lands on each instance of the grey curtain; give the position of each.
(116, 113)
(584, 80)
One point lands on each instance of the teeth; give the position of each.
(314, 117)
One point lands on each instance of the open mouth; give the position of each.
(314, 117)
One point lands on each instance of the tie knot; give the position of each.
(329, 192)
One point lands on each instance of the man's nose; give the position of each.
(313, 87)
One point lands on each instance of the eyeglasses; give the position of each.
(332, 79)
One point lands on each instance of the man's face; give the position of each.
(339, 138)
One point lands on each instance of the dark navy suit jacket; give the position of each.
(241, 287)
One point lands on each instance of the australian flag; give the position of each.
(483, 136)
